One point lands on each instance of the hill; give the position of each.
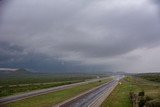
(14, 71)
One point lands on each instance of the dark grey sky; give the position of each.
(80, 35)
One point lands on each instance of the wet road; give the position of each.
(87, 99)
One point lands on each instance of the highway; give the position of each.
(95, 97)
(14, 98)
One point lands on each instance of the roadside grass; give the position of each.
(15, 84)
(48, 100)
(17, 89)
(120, 96)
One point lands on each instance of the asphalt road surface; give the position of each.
(87, 99)
(41, 92)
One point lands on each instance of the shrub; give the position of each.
(153, 103)
(141, 93)
(142, 102)
(148, 98)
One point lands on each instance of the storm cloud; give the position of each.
(104, 35)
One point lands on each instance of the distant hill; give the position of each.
(22, 71)
(14, 71)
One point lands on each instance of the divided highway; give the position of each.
(41, 92)
(95, 97)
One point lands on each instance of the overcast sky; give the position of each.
(80, 35)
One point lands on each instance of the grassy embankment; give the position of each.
(120, 96)
(54, 98)
(14, 84)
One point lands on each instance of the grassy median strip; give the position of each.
(120, 96)
(13, 90)
(54, 98)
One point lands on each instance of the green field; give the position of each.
(150, 76)
(14, 84)
(40, 78)
(120, 96)
(54, 98)
(15, 89)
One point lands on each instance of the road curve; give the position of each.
(91, 99)
(14, 98)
